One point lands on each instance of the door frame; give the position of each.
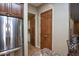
(51, 26)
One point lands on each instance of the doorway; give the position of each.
(31, 29)
(46, 29)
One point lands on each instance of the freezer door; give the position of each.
(3, 30)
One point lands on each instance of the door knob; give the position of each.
(45, 35)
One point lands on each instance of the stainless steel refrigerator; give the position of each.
(10, 33)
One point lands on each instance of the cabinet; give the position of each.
(11, 9)
(3, 8)
(16, 10)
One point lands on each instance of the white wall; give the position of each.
(60, 26)
(32, 9)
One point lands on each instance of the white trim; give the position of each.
(25, 22)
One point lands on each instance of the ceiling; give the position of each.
(36, 4)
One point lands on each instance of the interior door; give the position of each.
(32, 29)
(46, 29)
(76, 27)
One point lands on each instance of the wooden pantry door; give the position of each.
(46, 29)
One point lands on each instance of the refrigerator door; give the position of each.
(20, 41)
(3, 30)
(12, 29)
(10, 33)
